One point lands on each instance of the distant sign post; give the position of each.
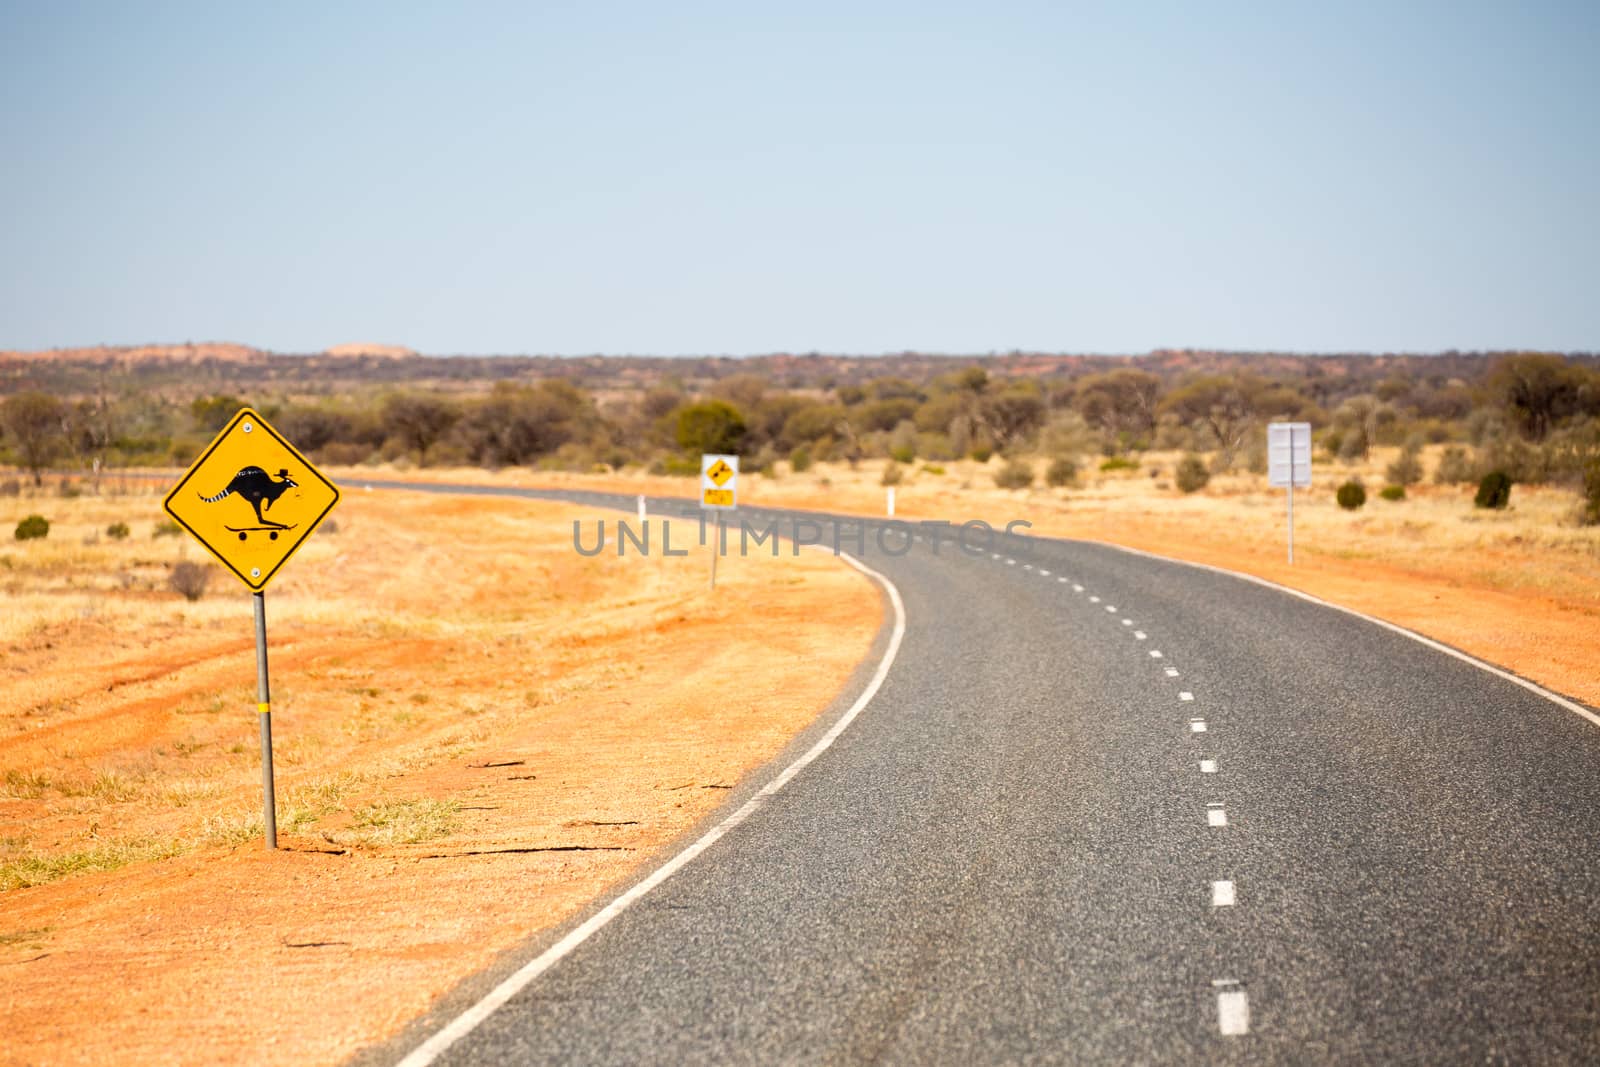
(251, 500)
(719, 492)
(1289, 462)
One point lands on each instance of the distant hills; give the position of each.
(195, 368)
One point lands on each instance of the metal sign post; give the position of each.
(1289, 462)
(264, 709)
(253, 520)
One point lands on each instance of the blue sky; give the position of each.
(739, 178)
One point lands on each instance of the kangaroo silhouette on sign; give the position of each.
(257, 486)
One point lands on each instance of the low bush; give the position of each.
(1406, 469)
(117, 531)
(1590, 515)
(1494, 491)
(681, 466)
(903, 453)
(1192, 475)
(1063, 471)
(982, 453)
(1017, 474)
(166, 528)
(800, 459)
(190, 579)
(1455, 467)
(893, 474)
(33, 528)
(1351, 495)
(1393, 492)
(1119, 463)
(932, 468)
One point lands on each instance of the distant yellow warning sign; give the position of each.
(251, 499)
(719, 481)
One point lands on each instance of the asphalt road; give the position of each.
(1015, 854)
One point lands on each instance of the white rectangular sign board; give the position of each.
(719, 481)
(1289, 454)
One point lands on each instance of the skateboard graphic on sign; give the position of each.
(257, 486)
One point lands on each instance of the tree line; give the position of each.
(1535, 415)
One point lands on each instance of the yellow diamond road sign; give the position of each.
(719, 481)
(251, 499)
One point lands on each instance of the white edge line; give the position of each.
(1532, 687)
(463, 1024)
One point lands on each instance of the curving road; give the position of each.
(1105, 808)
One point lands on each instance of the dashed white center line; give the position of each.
(1093, 599)
(1197, 726)
(1061, 579)
(1077, 588)
(1155, 653)
(1186, 695)
(1111, 608)
(994, 555)
(1208, 766)
(1172, 672)
(1216, 815)
(1027, 566)
(1127, 622)
(1043, 573)
(1140, 634)
(1233, 1009)
(1222, 894)
(1011, 563)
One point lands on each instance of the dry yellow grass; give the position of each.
(454, 690)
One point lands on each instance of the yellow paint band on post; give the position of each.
(264, 708)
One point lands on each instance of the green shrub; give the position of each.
(1017, 474)
(117, 531)
(1351, 495)
(893, 474)
(681, 466)
(1393, 492)
(932, 468)
(1455, 467)
(167, 528)
(800, 459)
(1063, 471)
(1192, 474)
(1494, 491)
(1590, 515)
(1119, 463)
(903, 453)
(33, 528)
(982, 453)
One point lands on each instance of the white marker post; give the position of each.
(891, 501)
(641, 511)
(1289, 462)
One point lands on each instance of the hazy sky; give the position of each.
(747, 177)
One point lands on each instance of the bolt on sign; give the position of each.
(719, 481)
(251, 499)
